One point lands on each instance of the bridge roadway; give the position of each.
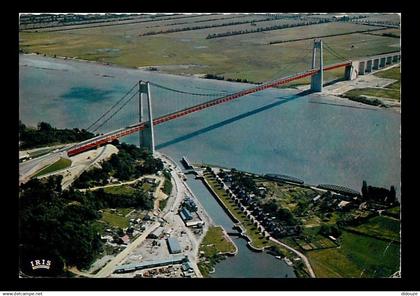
(113, 135)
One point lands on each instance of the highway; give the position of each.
(30, 167)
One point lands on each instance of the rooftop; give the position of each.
(173, 245)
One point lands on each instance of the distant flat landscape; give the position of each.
(178, 41)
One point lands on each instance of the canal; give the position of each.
(246, 263)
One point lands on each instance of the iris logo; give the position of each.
(37, 264)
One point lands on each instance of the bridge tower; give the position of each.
(146, 136)
(317, 80)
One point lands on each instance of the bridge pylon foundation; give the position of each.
(146, 136)
(352, 71)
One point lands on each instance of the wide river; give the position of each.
(316, 138)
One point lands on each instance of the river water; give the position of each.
(246, 263)
(316, 138)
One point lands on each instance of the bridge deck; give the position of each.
(109, 137)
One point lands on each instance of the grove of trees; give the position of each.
(45, 134)
(131, 162)
(61, 223)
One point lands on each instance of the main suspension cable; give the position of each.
(112, 115)
(334, 53)
(113, 106)
(185, 92)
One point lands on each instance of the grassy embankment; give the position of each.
(391, 91)
(40, 152)
(257, 61)
(214, 244)
(167, 189)
(60, 164)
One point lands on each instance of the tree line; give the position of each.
(379, 194)
(221, 77)
(129, 163)
(45, 134)
(263, 29)
(173, 30)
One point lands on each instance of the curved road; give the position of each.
(303, 257)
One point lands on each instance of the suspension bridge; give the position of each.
(142, 90)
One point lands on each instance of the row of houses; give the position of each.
(248, 203)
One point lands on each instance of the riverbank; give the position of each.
(142, 69)
(380, 89)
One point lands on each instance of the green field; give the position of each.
(114, 219)
(393, 73)
(381, 227)
(60, 164)
(214, 243)
(247, 56)
(358, 256)
(120, 190)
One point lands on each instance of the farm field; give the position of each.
(358, 256)
(381, 227)
(247, 56)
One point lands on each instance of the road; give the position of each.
(180, 190)
(119, 184)
(108, 269)
(30, 167)
(303, 257)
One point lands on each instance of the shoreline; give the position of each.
(142, 68)
(393, 108)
